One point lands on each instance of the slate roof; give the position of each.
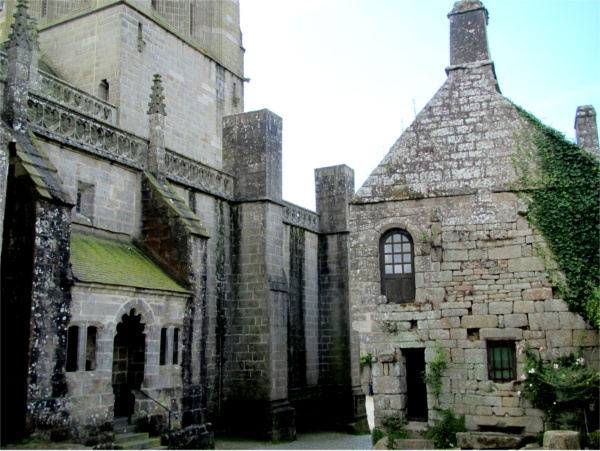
(113, 262)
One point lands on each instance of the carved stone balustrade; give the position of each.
(191, 173)
(301, 217)
(73, 128)
(76, 99)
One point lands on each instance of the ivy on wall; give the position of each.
(561, 182)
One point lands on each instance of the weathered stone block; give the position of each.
(475, 356)
(504, 252)
(500, 307)
(561, 440)
(501, 334)
(536, 294)
(481, 321)
(559, 338)
(543, 321)
(570, 320)
(489, 440)
(555, 305)
(523, 307)
(585, 338)
(525, 264)
(515, 320)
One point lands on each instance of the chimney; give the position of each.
(468, 34)
(586, 129)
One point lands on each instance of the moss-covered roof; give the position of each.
(112, 262)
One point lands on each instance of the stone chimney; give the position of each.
(468, 33)
(586, 129)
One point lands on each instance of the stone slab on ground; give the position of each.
(406, 443)
(491, 440)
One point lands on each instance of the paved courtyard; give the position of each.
(315, 440)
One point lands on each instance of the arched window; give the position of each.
(396, 254)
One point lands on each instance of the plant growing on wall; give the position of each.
(365, 360)
(565, 389)
(433, 375)
(561, 183)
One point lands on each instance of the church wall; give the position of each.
(114, 191)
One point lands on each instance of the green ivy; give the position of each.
(433, 377)
(561, 182)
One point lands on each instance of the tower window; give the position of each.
(103, 90)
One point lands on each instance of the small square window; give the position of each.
(501, 361)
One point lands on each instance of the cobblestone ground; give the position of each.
(316, 440)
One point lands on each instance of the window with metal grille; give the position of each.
(501, 361)
(396, 252)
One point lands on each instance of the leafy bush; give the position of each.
(394, 429)
(566, 389)
(443, 433)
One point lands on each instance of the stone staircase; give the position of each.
(128, 437)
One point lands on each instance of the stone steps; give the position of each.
(127, 437)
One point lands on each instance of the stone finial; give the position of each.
(156, 138)
(586, 129)
(157, 105)
(33, 34)
(468, 33)
(21, 35)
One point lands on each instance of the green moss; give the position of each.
(111, 262)
(561, 183)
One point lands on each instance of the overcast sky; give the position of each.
(347, 76)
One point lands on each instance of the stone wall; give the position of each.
(476, 281)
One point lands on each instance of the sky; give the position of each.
(348, 76)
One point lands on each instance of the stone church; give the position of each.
(444, 258)
(152, 275)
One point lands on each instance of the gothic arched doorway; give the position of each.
(128, 362)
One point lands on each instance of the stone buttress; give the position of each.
(35, 292)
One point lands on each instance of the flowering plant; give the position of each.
(566, 384)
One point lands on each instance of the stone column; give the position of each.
(256, 378)
(586, 129)
(339, 344)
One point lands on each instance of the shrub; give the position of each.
(443, 433)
